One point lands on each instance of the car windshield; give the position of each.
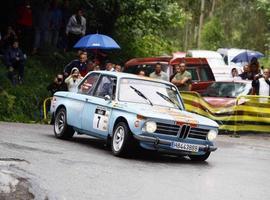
(149, 92)
(226, 89)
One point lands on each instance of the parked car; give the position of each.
(124, 108)
(224, 93)
(199, 68)
(228, 54)
(220, 70)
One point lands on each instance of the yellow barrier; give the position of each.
(45, 114)
(249, 113)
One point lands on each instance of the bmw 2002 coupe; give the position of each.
(126, 109)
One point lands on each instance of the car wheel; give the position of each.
(61, 129)
(199, 158)
(121, 140)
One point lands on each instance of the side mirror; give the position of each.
(107, 98)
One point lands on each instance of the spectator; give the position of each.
(254, 68)
(66, 13)
(182, 78)
(96, 68)
(55, 22)
(245, 75)
(118, 68)
(261, 86)
(80, 63)
(25, 22)
(158, 73)
(15, 60)
(76, 28)
(109, 67)
(8, 38)
(73, 80)
(57, 85)
(141, 73)
(41, 25)
(234, 74)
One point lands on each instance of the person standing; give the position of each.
(15, 59)
(261, 86)
(76, 28)
(158, 73)
(182, 78)
(55, 22)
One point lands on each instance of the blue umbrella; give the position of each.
(246, 56)
(96, 41)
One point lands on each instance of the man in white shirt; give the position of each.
(158, 73)
(261, 86)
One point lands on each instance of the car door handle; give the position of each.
(86, 99)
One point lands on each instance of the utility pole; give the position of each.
(201, 23)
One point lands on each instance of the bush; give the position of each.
(23, 103)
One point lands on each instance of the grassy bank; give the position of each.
(23, 103)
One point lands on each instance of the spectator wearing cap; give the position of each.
(158, 73)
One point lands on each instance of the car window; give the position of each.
(194, 74)
(205, 74)
(147, 68)
(106, 86)
(88, 84)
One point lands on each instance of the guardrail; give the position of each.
(249, 113)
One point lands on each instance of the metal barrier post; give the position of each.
(45, 109)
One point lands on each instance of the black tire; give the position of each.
(199, 158)
(121, 140)
(61, 129)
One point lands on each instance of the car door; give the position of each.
(98, 108)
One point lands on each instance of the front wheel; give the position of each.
(61, 129)
(199, 158)
(121, 139)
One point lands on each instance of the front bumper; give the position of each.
(159, 142)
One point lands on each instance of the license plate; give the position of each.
(185, 146)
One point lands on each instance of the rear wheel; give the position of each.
(199, 158)
(121, 140)
(61, 129)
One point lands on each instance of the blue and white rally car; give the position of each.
(126, 109)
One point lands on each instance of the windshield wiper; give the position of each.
(168, 99)
(141, 95)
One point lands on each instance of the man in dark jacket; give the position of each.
(57, 85)
(80, 63)
(15, 60)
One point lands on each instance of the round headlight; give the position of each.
(150, 126)
(212, 134)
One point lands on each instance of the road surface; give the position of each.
(34, 164)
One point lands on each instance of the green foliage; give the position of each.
(23, 103)
(212, 35)
(142, 27)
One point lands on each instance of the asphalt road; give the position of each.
(83, 168)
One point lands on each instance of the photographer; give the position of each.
(57, 85)
(73, 79)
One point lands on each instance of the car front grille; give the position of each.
(183, 131)
(198, 133)
(167, 129)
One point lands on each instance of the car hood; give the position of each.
(169, 114)
(220, 101)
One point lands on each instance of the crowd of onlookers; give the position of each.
(74, 71)
(45, 23)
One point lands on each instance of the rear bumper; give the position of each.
(157, 142)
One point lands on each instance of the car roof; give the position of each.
(204, 54)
